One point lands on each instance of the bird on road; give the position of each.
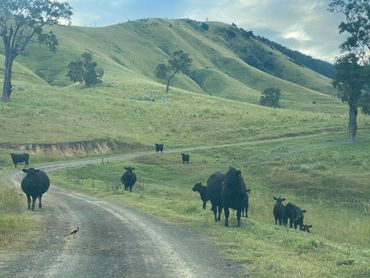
(74, 232)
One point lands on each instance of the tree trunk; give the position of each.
(168, 85)
(7, 88)
(352, 123)
(169, 80)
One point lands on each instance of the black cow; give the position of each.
(306, 228)
(185, 158)
(128, 178)
(233, 194)
(279, 211)
(159, 147)
(294, 214)
(213, 193)
(18, 158)
(202, 190)
(34, 184)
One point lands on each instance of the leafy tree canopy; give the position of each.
(271, 97)
(180, 62)
(23, 20)
(85, 70)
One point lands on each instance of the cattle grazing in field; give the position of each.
(19, 158)
(34, 184)
(245, 210)
(295, 215)
(128, 178)
(202, 190)
(279, 211)
(233, 194)
(159, 147)
(213, 193)
(306, 228)
(185, 158)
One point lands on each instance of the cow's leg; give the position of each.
(214, 209)
(29, 201)
(130, 188)
(238, 215)
(33, 202)
(291, 223)
(276, 220)
(219, 212)
(227, 213)
(204, 205)
(40, 204)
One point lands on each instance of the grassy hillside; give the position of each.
(42, 114)
(136, 48)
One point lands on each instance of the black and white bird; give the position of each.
(74, 232)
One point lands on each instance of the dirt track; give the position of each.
(114, 241)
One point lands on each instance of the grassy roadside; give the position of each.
(17, 227)
(340, 226)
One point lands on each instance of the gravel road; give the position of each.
(113, 241)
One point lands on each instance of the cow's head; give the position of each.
(279, 200)
(305, 228)
(198, 187)
(129, 169)
(31, 172)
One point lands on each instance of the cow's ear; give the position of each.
(304, 210)
(310, 226)
(283, 199)
(274, 198)
(126, 168)
(248, 190)
(24, 170)
(133, 168)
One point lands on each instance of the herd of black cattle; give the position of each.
(224, 191)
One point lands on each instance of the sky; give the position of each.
(303, 25)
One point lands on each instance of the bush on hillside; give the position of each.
(85, 70)
(271, 97)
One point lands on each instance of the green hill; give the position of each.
(215, 104)
(137, 47)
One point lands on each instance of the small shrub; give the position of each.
(271, 97)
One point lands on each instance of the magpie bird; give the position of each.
(74, 232)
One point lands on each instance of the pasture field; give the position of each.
(324, 175)
(44, 114)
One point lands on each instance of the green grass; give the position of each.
(215, 104)
(134, 49)
(16, 227)
(339, 214)
(41, 114)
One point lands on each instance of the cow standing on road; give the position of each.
(19, 158)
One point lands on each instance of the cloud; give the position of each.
(303, 25)
(296, 32)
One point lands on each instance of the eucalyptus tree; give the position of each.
(22, 21)
(353, 68)
(179, 62)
